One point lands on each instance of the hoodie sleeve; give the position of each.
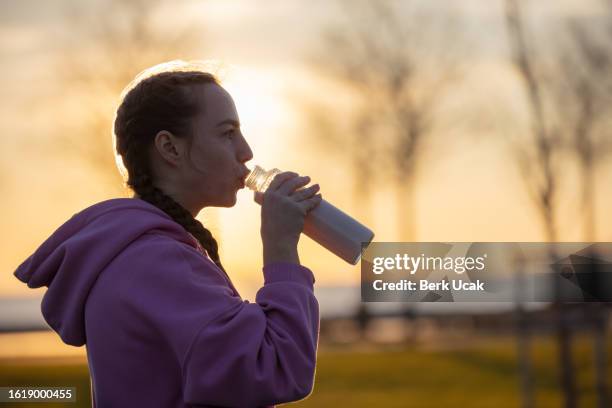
(232, 352)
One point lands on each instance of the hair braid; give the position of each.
(140, 181)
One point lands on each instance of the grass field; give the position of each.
(483, 374)
(478, 373)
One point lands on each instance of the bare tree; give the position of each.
(583, 86)
(537, 162)
(585, 108)
(584, 105)
(384, 56)
(579, 82)
(536, 159)
(110, 42)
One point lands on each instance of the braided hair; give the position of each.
(163, 101)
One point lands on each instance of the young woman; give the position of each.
(139, 280)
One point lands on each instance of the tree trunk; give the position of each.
(405, 209)
(564, 338)
(564, 341)
(599, 351)
(588, 202)
(523, 340)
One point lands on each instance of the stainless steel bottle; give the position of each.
(327, 225)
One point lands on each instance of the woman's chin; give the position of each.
(230, 201)
(223, 202)
(229, 198)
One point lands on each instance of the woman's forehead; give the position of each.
(218, 104)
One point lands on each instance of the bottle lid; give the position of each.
(255, 178)
(259, 179)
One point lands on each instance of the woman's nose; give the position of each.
(245, 153)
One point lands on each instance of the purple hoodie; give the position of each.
(163, 325)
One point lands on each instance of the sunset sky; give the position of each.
(468, 186)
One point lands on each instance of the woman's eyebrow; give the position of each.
(228, 121)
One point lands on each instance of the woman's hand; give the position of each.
(283, 209)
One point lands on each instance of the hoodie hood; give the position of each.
(72, 258)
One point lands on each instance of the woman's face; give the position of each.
(214, 167)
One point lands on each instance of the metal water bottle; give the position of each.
(325, 224)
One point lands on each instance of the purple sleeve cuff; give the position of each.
(288, 272)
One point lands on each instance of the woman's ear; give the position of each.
(169, 147)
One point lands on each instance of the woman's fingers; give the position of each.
(292, 184)
(310, 203)
(304, 193)
(258, 197)
(280, 178)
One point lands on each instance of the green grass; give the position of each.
(481, 374)
(475, 374)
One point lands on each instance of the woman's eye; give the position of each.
(229, 133)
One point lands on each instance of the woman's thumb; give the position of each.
(258, 197)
